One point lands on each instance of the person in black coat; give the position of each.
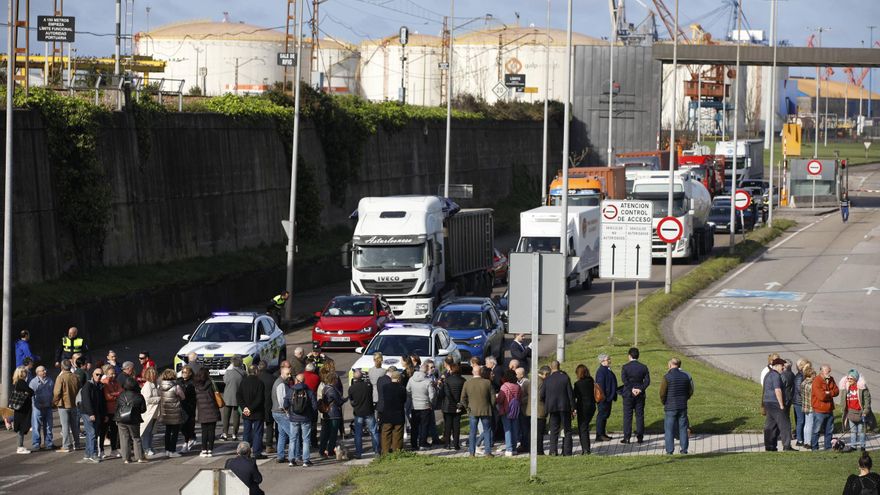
(268, 379)
(129, 428)
(21, 417)
(245, 468)
(360, 393)
(559, 404)
(636, 378)
(188, 404)
(93, 410)
(520, 351)
(584, 404)
(393, 396)
(450, 390)
(251, 396)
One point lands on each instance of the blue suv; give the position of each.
(474, 325)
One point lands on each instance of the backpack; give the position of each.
(299, 402)
(513, 408)
(123, 409)
(867, 490)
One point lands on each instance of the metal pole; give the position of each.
(871, 73)
(6, 340)
(611, 93)
(69, 71)
(46, 66)
(816, 123)
(566, 137)
(735, 131)
(699, 104)
(636, 336)
(402, 73)
(611, 334)
(291, 241)
(533, 374)
(544, 191)
(449, 97)
(825, 124)
(771, 109)
(236, 75)
(116, 71)
(667, 286)
(813, 199)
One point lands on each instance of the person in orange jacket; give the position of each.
(822, 399)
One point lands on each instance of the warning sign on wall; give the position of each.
(791, 139)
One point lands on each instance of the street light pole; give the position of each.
(667, 286)
(6, 340)
(566, 138)
(546, 112)
(116, 70)
(611, 92)
(735, 131)
(771, 108)
(449, 97)
(291, 240)
(871, 73)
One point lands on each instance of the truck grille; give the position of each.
(401, 287)
(215, 363)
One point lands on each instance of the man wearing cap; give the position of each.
(316, 356)
(777, 423)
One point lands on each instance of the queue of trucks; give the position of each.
(418, 251)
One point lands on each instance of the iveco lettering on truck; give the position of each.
(419, 250)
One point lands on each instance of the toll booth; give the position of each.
(813, 182)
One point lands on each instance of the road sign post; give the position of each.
(814, 173)
(625, 245)
(742, 200)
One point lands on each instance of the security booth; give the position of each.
(813, 182)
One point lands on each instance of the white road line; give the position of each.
(11, 481)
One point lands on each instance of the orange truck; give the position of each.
(588, 186)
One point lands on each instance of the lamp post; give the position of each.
(546, 112)
(871, 73)
(291, 239)
(771, 108)
(449, 97)
(6, 338)
(667, 286)
(735, 131)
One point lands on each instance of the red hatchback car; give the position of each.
(351, 321)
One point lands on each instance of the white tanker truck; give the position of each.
(691, 203)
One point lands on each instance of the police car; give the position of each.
(398, 339)
(253, 336)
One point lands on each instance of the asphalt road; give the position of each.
(47, 472)
(815, 294)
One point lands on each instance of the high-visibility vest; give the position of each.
(71, 346)
(279, 301)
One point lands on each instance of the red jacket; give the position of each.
(311, 380)
(824, 392)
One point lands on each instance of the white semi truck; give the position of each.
(749, 158)
(419, 250)
(540, 230)
(691, 204)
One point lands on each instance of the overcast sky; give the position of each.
(354, 20)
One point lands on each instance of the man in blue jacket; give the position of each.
(606, 379)
(301, 404)
(23, 349)
(636, 379)
(676, 389)
(245, 469)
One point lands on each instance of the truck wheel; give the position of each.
(695, 252)
(588, 283)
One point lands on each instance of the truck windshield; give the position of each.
(399, 345)
(389, 258)
(538, 244)
(459, 320)
(576, 200)
(661, 203)
(223, 332)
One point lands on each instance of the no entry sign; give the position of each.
(669, 230)
(742, 199)
(814, 168)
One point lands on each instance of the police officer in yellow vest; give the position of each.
(70, 345)
(276, 306)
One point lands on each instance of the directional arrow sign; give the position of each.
(624, 250)
(771, 285)
(870, 290)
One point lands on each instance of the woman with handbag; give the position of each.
(585, 394)
(130, 407)
(20, 402)
(171, 412)
(151, 397)
(209, 401)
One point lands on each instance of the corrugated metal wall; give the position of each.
(636, 106)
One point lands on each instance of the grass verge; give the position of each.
(705, 474)
(722, 403)
(108, 282)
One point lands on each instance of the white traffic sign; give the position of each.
(625, 245)
(742, 200)
(814, 169)
(669, 230)
(500, 89)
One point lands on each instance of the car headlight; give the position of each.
(367, 329)
(318, 330)
(478, 337)
(422, 307)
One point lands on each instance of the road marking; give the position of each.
(870, 290)
(762, 294)
(10, 481)
(770, 285)
(734, 305)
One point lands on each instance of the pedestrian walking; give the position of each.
(676, 388)
(478, 397)
(301, 405)
(855, 403)
(823, 392)
(150, 391)
(130, 407)
(188, 404)
(23, 349)
(64, 398)
(450, 389)
(207, 409)
(509, 404)
(21, 403)
(844, 207)
(279, 414)
(171, 412)
(109, 429)
(41, 423)
(559, 402)
(607, 381)
(393, 399)
(864, 483)
(251, 396)
(777, 423)
(636, 378)
(584, 404)
(232, 379)
(93, 411)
